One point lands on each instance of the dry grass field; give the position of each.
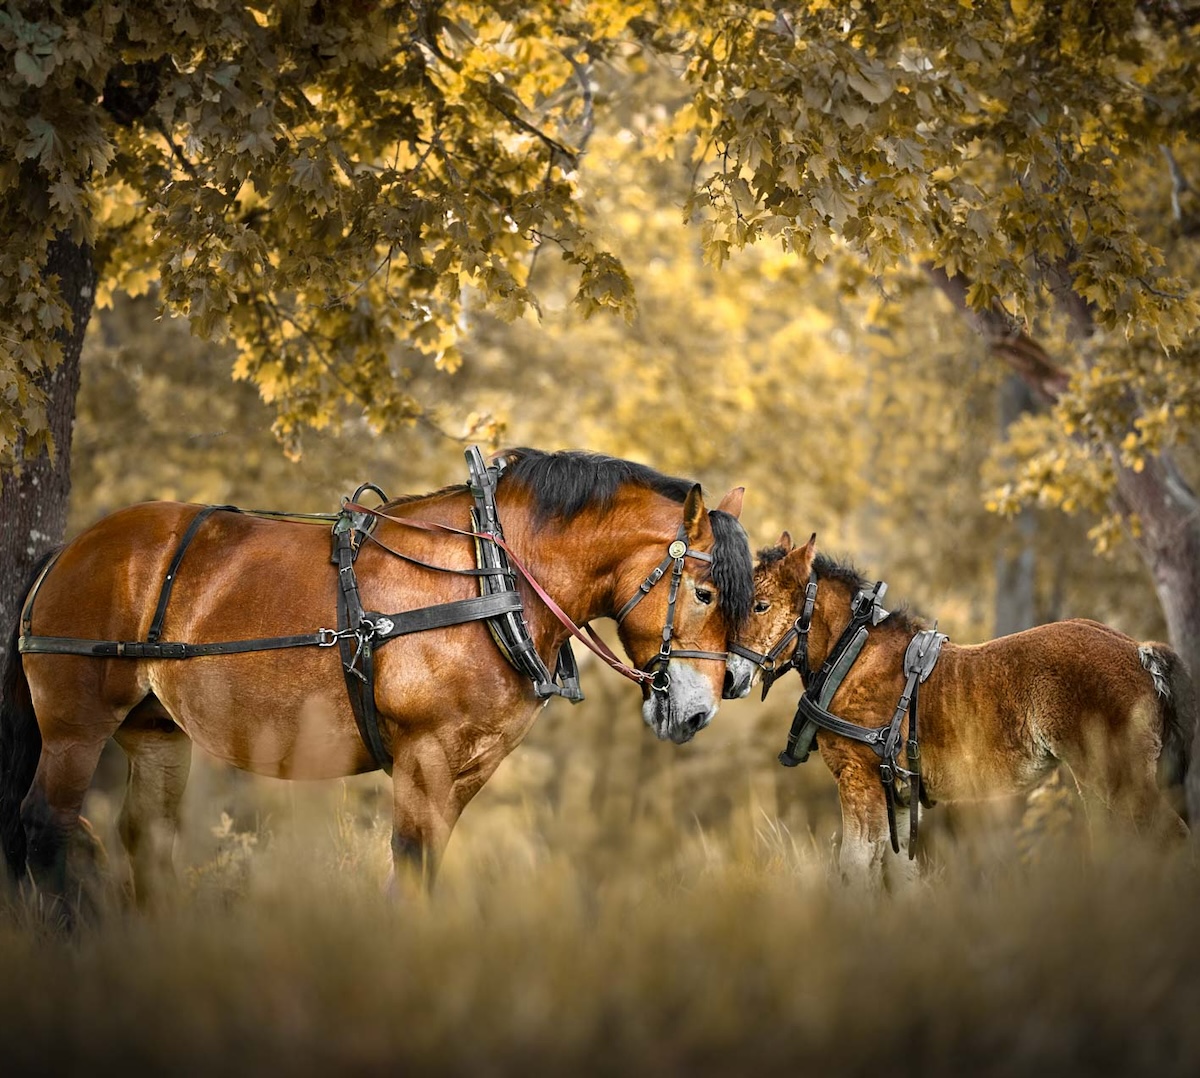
(609, 905)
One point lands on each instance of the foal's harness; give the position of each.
(360, 632)
(812, 711)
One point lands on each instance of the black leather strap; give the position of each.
(165, 649)
(913, 759)
(458, 612)
(164, 595)
(509, 630)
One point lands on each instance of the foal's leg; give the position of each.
(901, 872)
(160, 756)
(864, 827)
(1117, 777)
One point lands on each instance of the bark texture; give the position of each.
(34, 500)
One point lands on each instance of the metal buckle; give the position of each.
(327, 638)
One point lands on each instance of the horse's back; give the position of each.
(107, 581)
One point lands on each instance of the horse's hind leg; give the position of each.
(160, 756)
(50, 810)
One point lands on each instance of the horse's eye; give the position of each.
(762, 606)
(704, 596)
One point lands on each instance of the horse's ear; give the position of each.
(732, 502)
(695, 516)
(785, 542)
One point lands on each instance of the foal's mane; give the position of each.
(845, 572)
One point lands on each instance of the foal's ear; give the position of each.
(695, 516)
(801, 558)
(732, 502)
(785, 542)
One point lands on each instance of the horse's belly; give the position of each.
(295, 727)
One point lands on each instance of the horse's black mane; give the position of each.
(844, 571)
(564, 484)
(732, 570)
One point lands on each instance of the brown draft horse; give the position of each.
(588, 528)
(994, 718)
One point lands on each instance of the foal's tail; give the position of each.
(1177, 704)
(20, 746)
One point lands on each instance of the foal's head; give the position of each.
(780, 579)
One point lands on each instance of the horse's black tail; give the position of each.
(20, 746)
(1177, 704)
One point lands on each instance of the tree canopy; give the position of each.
(316, 182)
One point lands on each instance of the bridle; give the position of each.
(660, 679)
(768, 661)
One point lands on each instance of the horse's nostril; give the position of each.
(697, 720)
(730, 683)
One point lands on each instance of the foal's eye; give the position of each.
(704, 595)
(762, 606)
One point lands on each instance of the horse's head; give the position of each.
(768, 638)
(684, 613)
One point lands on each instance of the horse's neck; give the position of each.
(573, 560)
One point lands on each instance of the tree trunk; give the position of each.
(1016, 562)
(1169, 542)
(33, 500)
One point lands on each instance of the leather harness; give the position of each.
(812, 711)
(360, 632)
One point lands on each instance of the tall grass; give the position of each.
(593, 926)
(284, 957)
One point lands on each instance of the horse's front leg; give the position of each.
(865, 838)
(425, 809)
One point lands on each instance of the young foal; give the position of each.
(592, 531)
(993, 718)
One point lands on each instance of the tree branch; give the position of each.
(1005, 340)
